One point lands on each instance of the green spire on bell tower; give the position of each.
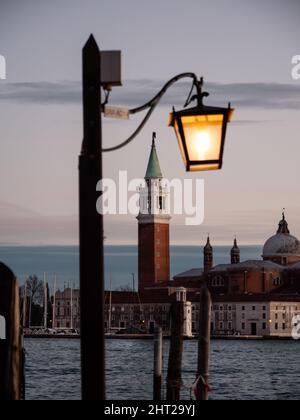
(153, 169)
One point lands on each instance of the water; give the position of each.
(120, 261)
(240, 370)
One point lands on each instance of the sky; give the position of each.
(244, 51)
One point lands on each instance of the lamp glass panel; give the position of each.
(203, 136)
(180, 142)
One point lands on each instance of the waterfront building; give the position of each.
(250, 298)
(67, 309)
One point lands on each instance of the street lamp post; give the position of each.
(201, 136)
(91, 231)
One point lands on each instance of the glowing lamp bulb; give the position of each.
(202, 144)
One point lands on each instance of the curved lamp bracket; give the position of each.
(154, 102)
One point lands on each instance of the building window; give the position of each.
(229, 308)
(283, 326)
(276, 326)
(264, 308)
(243, 316)
(217, 281)
(160, 203)
(221, 325)
(264, 316)
(243, 326)
(229, 325)
(264, 326)
(277, 282)
(253, 308)
(243, 308)
(276, 316)
(283, 316)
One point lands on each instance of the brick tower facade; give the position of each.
(153, 226)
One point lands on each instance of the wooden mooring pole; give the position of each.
(204, 344)
(11, 352)
(158, 362)
(176, 349)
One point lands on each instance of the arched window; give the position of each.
(218, 281)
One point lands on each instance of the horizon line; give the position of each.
(15, 245)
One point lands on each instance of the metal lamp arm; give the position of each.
(152, 105)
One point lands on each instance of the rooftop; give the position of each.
(193, 272)
(250, 265)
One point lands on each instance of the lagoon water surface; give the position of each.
(243, 370)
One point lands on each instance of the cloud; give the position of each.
(137, 92)
(41, 92)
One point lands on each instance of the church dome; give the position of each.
(283, 243)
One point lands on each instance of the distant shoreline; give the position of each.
(150, 337)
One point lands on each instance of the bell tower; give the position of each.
(208, 254)
(153, 226)
(235, 253)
